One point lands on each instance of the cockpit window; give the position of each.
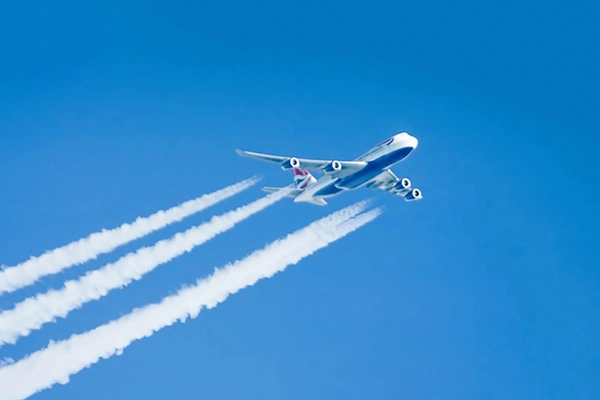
(376, 148)
(385, 142)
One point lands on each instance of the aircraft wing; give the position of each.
(385, 181)
(389, 182)
(322, 166)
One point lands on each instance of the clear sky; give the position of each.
(489, 288)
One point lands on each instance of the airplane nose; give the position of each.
(407, 140)
(412, 141)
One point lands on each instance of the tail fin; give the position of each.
(302, 178)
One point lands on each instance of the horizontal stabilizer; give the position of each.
(316, 200)
(292, 193)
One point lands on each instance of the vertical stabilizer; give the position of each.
(302, 178)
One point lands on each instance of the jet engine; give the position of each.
(403, 184)
(414, 194)
(332, 167)
(291, 163)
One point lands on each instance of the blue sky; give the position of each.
(488, 288)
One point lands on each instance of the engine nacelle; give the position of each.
(401, 188)
(414, 194)
(291, 163)
(332, 167)
(403, 184)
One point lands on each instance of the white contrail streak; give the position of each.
(57, 362)
(105, 241)
(37, 310)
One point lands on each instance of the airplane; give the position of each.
(371, 170)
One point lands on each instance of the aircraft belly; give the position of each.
(358, 179)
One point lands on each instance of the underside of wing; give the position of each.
(323, 166)
(386, 180)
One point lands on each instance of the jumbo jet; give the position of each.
(371, 170)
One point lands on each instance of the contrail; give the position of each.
(33, 312)
(57, 362)
(105, 241)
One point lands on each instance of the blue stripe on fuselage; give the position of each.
(373, 169)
